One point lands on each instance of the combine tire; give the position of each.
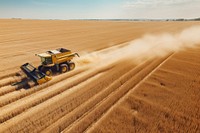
(71, 65)
(64, 68)
(48, 72)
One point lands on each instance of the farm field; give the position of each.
(115, 87)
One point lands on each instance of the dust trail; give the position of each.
(149, 46)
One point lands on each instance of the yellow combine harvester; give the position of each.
(58, 60)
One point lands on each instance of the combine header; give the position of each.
(34, 74)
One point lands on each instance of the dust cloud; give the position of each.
(149, 46)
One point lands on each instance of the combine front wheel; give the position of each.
(45, 70)
(48, 72)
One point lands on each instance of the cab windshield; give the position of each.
(46, 60)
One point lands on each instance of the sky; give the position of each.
(99, 9)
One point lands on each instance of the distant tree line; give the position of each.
(180, 19)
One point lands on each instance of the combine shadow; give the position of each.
(24, 83)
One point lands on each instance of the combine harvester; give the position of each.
(58, 60)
